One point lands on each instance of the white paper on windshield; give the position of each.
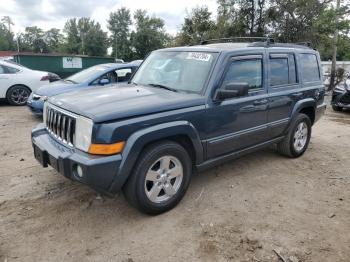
(199, 56)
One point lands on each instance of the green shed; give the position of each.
(63, 65)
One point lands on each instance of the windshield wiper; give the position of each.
(164, 87)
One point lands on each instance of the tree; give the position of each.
(96, 41)
(241, 18)
(53, 39)
(7, 41)
(72, 41)
(149, 34)
(85, 36)
(294, 21)
(32, 40)
(119, 23)
(197, 26)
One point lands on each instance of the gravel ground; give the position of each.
(240, 211)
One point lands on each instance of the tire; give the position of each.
(290, 145)
(148, 186)
(337, 108)
(18, 95)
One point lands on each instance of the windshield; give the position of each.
(178, 71)
(86, 74)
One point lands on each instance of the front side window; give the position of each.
(245, 71)
(2, 71)
(310, 68)
(110, 76)
(179, 71)
(124, 74)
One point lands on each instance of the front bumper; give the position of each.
(98, 172)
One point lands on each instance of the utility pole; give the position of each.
(116, 46)
(335, 47)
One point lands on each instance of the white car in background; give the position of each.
(17, 82)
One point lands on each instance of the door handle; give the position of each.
(260, 102)
(297, 95)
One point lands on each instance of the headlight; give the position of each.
(43, 98)
(83, 133)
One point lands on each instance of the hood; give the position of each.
(111, 103)
(56, 88)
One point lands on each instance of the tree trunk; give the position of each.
(335, 46)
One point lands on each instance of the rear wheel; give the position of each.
(160, 178)
(337, 108)
(18, 95)
(298, 138)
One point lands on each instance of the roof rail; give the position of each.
(267, 40)
(287, 45)
(308, 44)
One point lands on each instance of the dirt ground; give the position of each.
(240, 211)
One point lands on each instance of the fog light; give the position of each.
(79, 171)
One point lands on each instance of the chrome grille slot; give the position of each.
(60, 124)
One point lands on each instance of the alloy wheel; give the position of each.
(163, 179)
(300, 136)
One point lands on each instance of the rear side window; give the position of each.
(282, 69)
(245, 71)
(309, 68)
(2, 71)
(10, 70)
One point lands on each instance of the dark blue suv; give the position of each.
(186, 109)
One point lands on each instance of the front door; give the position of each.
(241, 122)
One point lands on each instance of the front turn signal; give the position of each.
(106, 149)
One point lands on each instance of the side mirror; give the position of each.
(231, 90)
(104, 81)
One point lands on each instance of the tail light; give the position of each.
(45, 78)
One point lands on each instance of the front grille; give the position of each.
(60, 124)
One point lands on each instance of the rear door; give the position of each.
(283, 88)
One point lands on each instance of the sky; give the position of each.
(47, 14)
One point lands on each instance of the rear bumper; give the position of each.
(98, 172)
(320, 109)
(341, 99)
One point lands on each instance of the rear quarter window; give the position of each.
(309, 68)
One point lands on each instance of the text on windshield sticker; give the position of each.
(199, 56)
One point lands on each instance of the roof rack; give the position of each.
(267, 40)
(258, 42)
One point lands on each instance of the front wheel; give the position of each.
(18, 95)
(297, 139)
(160, 178)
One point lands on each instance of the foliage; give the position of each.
(148, 35)
(119, 23)
(197, 26)
(134, 36)
(85, 36)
